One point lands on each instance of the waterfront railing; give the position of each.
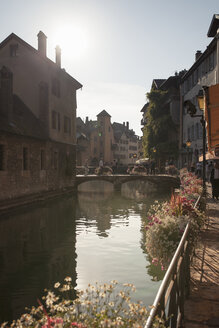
(169, 301)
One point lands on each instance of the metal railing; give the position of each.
(169, 302)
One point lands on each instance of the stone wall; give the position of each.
(32, 166)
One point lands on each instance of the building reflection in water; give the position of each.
(37, 249)
(38, 245)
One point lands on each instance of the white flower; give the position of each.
(57, 284)
(68, 279)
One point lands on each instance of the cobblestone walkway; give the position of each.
(202, 306)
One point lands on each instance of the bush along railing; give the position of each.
(171, 233)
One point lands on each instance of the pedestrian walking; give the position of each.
(215, 181)
(209, 168)
(86, 168)
(198, 169)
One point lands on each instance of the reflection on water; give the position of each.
(97, 236)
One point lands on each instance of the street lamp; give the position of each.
(191, 110)
(188, 144)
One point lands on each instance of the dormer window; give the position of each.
(13, 50)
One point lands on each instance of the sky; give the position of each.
(114, 48)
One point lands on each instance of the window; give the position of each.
(132, 148)
(56, 87)
(42, 159)
(54, 119)
(192, 133)
(67, 125)
(25, 158)
(2, 157)
(13, 50)
(59, 122)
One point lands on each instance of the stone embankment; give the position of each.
(202, 306)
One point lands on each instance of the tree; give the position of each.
(157, 141)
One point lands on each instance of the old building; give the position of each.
(37, 120)
(95, 140)
(165, 147)
(126, 144)
(101, 139)
(204, 72)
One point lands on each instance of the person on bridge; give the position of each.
(153, 167)
(101, 163)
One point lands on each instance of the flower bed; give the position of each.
(97, 306)
(166, 222)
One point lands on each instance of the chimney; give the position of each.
(42, 43)
(198, 54)
(6, 94)
(58, 56)
(86, 122)
(123, 123)
(127, 125)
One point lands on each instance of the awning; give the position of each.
(208, 156)
(142, 160)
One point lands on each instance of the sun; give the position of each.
(72, 39)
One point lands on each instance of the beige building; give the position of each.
(43, 85)
(114, 143)
(105, 137)
(37, 120)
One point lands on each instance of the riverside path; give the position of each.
(202, 306)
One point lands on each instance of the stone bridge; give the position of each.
(161, 181)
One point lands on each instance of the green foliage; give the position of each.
(156, 133)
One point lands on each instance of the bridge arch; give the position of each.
(118, 180)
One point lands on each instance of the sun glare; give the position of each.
(73, 40)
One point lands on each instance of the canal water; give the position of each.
(97, 235)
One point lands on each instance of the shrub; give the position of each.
(166, 222)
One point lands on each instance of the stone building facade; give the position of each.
(37, 120)
(113, 142)
(204, 72)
